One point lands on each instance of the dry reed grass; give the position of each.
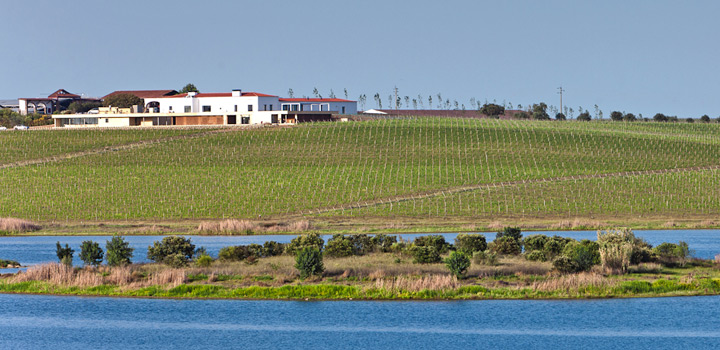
(17, 225)
(706, 223)
(125, 276)
(577, 224)
(244, 227)
(495, 225)
(670, 224)
(416, 284)
(228, 227)
(645, 268)
(573, 282)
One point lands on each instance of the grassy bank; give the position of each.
(371, 277)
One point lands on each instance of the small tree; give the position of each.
(560, 116)
(469, 243)
(435, 241)
(118, 251)
(659, 117)
(189, 88)
(616, 249)
(91, 253)
(338, 246)
(705, 118)
(513, 232)
(492, 110)
(505, 246)
(303, 241)
(458, 263)
(65, 255)
(172, 250)
(629, 117)
(540, 111)
(309, 262)
(425, 254)
(584, 116)
(616, 116)
(123, 101)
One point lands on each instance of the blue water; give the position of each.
(51, 322)
(41, 249)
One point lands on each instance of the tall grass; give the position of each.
(416, 284)
(574, 282)
(17, 225)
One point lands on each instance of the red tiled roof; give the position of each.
(62, 93)
(224, 94)
(314, 100)
(143, 93)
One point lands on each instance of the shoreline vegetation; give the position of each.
(231, 227)
(382, 267)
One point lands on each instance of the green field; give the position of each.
(414, 167)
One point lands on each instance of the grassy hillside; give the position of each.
(426, 167)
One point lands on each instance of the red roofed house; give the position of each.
(55, 102)
(223, 108)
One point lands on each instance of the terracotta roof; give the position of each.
(143, 93)
(224, 94)
(314, 100)
(62, 93)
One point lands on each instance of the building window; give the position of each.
(107, 120)
(295, 107)
(235, 108)
(285, 107)
(187, 109)
(249, 108)
(170, 108)
(343, 110)
(206, 108)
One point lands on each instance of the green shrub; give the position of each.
(204, 261)
(309, 262)
(65, 255)
(594, 250)
(118, 251)
(272, 248)
(338, 246)
(172, 248)
(6, 263)
(513, 232)
(234, 253)
(91, 253)
(505, 246)
(311, 240)
(255, 250)
(535, 255)
(383, 242)
(534, 242)
(670, 254)
(555, 245)
(576, 257)
(362, 244)
(565, 264)
(424, 254)
(485, 258)
(176, 260)
(458, 263)
(469, 243)
(435, 241)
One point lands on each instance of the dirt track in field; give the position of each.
(468, 188)
(112, 148)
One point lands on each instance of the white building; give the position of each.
(230, 108)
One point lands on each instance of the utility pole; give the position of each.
(560, 91)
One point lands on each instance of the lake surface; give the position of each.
(33, 250)
(52, 322)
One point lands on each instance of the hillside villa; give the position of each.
(164, 107)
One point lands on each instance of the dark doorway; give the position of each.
(232, 120)
(245, 120)
(274, 118)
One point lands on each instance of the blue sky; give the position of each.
(634, 56)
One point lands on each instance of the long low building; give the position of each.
(230, 108)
